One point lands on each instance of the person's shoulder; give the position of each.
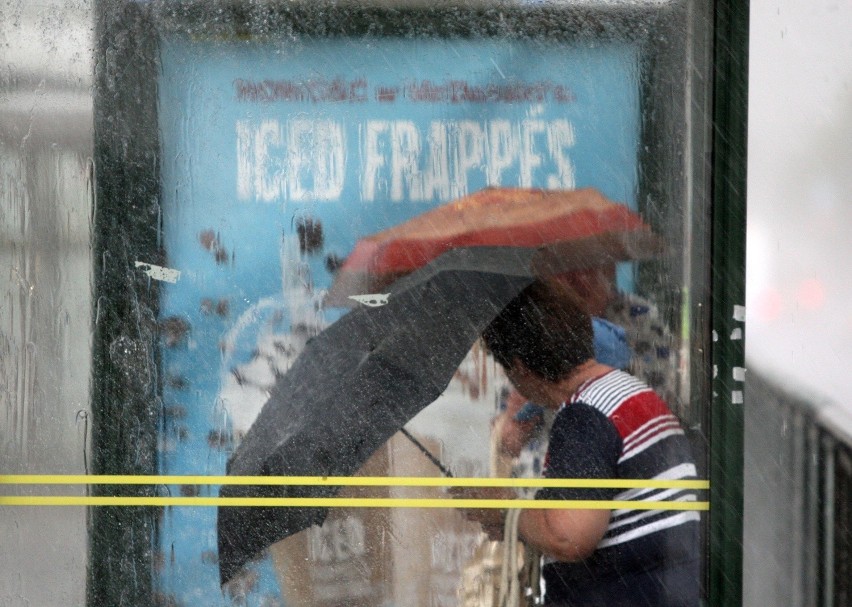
(584, 427)
(578, 411)
(613, 385)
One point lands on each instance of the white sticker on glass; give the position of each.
(373, 300)
(159, 272)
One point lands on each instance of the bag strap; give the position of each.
(514, 589)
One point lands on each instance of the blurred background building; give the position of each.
(797, 290)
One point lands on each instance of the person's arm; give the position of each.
(566, 535)
(583, 445)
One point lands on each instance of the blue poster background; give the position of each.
(358, 135)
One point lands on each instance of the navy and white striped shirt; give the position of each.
(615, 426)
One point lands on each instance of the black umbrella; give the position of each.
(357, 383)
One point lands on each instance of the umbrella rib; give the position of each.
(427, 453)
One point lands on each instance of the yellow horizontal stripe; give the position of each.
(351, 481)
(335, 502)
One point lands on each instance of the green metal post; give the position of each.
(125, 384)
(728, 293)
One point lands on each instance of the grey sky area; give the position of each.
(799, 278)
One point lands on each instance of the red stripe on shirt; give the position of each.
(637, 445)
(637, 411)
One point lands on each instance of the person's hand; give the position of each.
(491, 519)
(513, 433)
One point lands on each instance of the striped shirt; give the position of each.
(615, 426)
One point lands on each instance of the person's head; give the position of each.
(545, 329)
(594, 286)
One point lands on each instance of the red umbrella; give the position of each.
(574, 229)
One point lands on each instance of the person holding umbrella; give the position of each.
(609, 425)
(628, 335)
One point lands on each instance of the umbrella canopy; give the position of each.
(576, 228)
(358, 382)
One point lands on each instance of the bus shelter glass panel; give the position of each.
(346, 199)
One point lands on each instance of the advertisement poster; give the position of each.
(276, 158)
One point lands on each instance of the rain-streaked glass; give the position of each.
(242, 151)
(45, 291)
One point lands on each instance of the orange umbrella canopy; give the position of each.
(573, 229)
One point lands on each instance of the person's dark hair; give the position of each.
(546, 328)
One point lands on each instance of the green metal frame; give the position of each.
(125, 386)
(730, 75)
